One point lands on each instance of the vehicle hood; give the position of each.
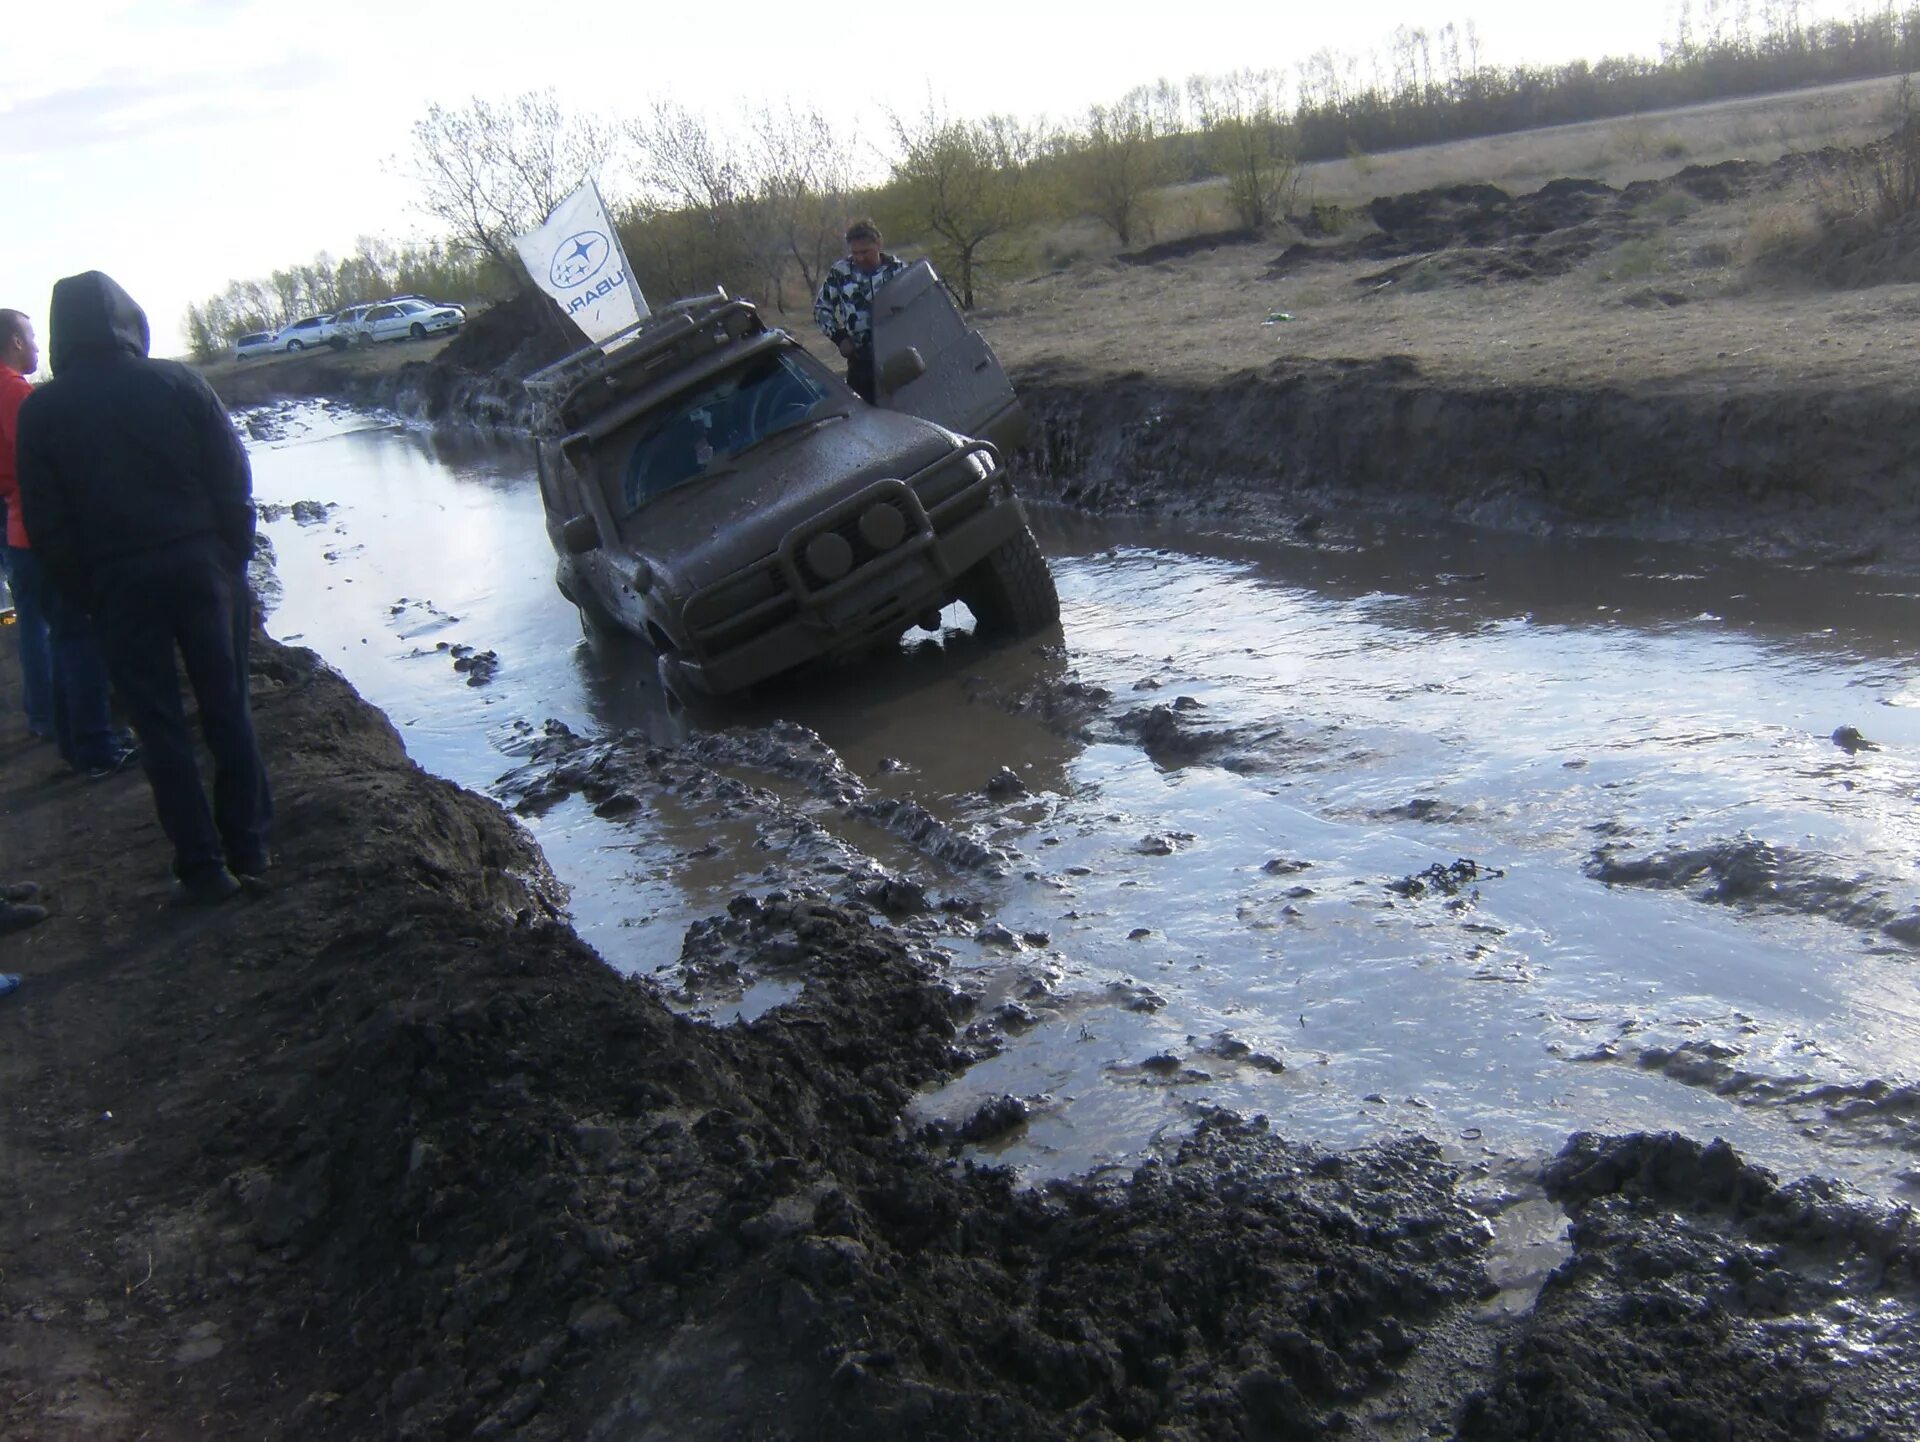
(706, 530)
(90, 315)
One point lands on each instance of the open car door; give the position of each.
(928, 362)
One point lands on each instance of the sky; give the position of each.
(182, 144)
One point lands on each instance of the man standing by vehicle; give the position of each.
(63, 679)
(139, 498)
(844, 308)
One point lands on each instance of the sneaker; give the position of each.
(14, 916)
(251, 868)
(20, 891)
(209, 887)
(114, 765)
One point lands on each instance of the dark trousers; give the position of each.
(79, 700)
(30, 626)
(193, 598)
(860, 370)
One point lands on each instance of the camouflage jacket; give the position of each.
(845, 304)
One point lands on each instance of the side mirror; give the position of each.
(902, 369)
(580, 534)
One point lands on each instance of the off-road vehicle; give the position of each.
(711, 486)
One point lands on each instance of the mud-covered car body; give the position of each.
(713, 487)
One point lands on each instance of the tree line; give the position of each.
(759, 205)
(377, 268)
(1431, 86)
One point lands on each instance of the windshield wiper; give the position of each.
(802, 427)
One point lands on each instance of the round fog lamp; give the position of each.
(829, 556)
(883, 527)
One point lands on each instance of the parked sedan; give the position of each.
(260, 342)
(397, 320)
(308, 331)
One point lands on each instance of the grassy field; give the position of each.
(1678, 297)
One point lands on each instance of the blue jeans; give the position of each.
(36, 654)
(82, 700)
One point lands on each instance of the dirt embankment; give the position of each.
(1580, 359)
(382, 1149)
(1817, 474)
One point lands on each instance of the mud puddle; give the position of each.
(1482, 839)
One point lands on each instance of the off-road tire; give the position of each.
(595, 624)
(594, 621)
(1010, 590)
(417, 331)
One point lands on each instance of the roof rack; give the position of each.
(570, 390)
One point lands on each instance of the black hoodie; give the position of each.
(121, 456)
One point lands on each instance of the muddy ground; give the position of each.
(383, 1150)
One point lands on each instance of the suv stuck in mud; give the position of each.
(715, 489)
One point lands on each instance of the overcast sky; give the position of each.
(181, 144)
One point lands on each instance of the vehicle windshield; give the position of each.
(705, 427)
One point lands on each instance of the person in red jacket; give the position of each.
(77, 706)
(19, 358)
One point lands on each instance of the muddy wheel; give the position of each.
(595, 624)
(417, 331)
(1010, 592)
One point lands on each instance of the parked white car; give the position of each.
(307, 332)
(399, 319)
(260, 342)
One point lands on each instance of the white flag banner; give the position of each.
(576, 258)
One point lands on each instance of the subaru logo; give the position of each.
(579, 258)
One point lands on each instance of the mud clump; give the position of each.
(1751, 873)
(1704, 1299)
(1448, 879)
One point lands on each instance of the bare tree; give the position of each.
(770, 200)
(491, 170)
(683, 164)
(967, 182)
(1249, 142)
(805, 179)
(1120, 162)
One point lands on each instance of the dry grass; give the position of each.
(1618, 151)
(1674, 307)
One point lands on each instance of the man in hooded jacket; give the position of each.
(139, 498)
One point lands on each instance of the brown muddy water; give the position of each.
(1485, 838)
